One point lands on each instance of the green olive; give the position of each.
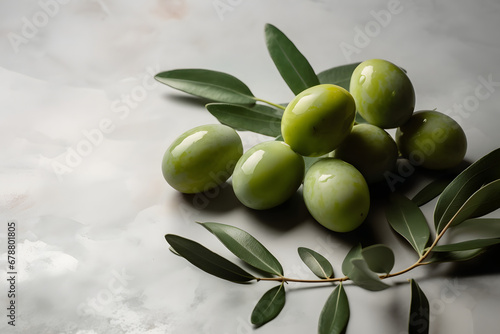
(317, 120)
(202, 158)
(336, 194)
(267, 175)
(370, 149)
(433, 140)
(383, 93)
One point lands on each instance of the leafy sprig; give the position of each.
(473, 193)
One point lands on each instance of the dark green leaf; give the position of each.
(212, 85)
(258, 118)
(269, 306)
(482, 202)
(207, 260)
(379, 258)
(483, 171)
(246, 247)
(354, 253)
(318, 264)
(419, 311)
(309, 161)
(334, 316)
(339, 75)
(478, 228)
(292, 65)
(407, 219)
(359, 119)
(431, 191)
(466, 245)
(454, 256)
(362, 276)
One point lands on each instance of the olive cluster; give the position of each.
(320, 122)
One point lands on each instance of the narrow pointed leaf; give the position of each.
(406, 218)
(482, 202)
(481, 172)
(292, 65)
(431, 191)
(479, 228)
(269, 306)
(419, 311)
(466, 245)
(246, 247)
(207, 260)
(379, 258)
(335, 314)
(354, 253)
(454, 256)
(318, 264)
(253, 118)
(339, 75)
(212, 85)
(364, 277)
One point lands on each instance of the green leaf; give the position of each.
(292, 65)
(483, 171)
(354, 253)
(339, 75)
(478, 228)
(482, 202)
(318, 264)
(419, 311)
(212, 85)
(335, 314)
(406, 218)
(246, 247)
(379, 258)
(467, 245)
(269, 306)
(454, 256)
(362, 276)
(431, 191)
(258, 118)
(207, 260)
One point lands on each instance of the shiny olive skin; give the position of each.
(336, 194)
(202, 158)
(317, 120)
(432, 140)
(267, 175)
(383, 93)
(370, 149)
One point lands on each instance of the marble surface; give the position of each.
(84, 126)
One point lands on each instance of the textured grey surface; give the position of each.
(76, 76)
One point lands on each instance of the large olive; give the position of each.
(202, 158)
(336, 194)
(267, 175)
(317, 120)
(383, 93)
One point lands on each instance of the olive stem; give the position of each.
(270, 103)
(420, 262)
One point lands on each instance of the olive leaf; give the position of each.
(212, 85)
(467, 245)
(338, 75)
(379, 258)
(419, 311)
(406, 218)
(290, 62)
(269, 305)
(246, 247)
(207, 260)
(334, 316)
(482, 202)
(257, 118)
(356, 268)
(318, 264)
(431, 191)
(481, 172)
